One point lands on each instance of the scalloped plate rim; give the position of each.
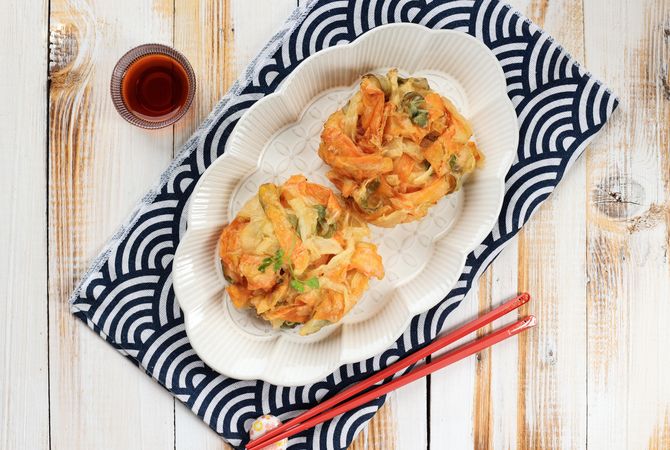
(277, 95)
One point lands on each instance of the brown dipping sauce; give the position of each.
(155, 87)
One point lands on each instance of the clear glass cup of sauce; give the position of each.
(152, 86)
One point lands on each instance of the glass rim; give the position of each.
(130, 57)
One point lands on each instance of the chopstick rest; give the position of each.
(263, 425)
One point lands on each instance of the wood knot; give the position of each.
(550, 355)
(619, 197)
(664, 78)
(72, 48)
(63, 47)
(665, 81)
(625, 201)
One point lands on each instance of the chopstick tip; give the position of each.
(523, 324)
(530, 321)
(523, 298)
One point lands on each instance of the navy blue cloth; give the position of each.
(127, 295)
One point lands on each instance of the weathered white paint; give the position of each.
(552, 267)
(24, 413)
(504, 370)
(628, 229)
(98, 399)
(453, 388)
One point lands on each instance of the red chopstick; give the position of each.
(439, 362)
(302, 422)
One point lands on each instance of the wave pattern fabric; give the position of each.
(127, 295)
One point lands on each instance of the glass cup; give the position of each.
(152, 86)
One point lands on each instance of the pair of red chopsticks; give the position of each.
(322, 412)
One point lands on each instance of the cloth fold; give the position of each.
(127, 295)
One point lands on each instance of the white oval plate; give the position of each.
(278, 137)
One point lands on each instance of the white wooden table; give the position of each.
(595, 372)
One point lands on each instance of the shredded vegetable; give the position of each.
(297, 256)
(397, 148)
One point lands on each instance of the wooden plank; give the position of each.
(205, 34)
(381, 431)
(453, 389)
(509, 396)
(473, 403)
(391, 427)
(410, 411)
(99, 167)
(628, 191)
(219, 38)
(551, 410)
(552, 359)
(502, 407)
(24, 402)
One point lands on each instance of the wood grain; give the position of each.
(627, 237)
(473, 404)
(483, 405)
(504, 359)
(552, 359)
(99, 166)
(24, 412)
(205, 34)
(380, 431)
(453, 389)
